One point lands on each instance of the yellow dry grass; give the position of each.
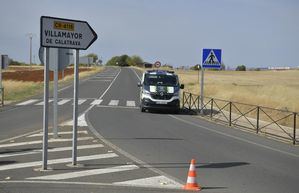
(275, 89)
(19, 90)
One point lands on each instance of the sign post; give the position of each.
(71, 34)
(75, 108)
(211, 59)
(46, 111)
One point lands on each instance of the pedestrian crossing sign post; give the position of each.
(211, 58)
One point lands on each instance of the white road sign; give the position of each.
(66, 33)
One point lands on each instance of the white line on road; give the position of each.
(97, 80)
(63, 101)
(92, 172)
(155, 181)
(40, 141)
(27, 102)
(81, 101)
(59, 133)
(56, 161)
(42, 103)
(96, 102)
(58, 149)
(131, 103)
(113, 103)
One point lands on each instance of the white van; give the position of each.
(160, 89)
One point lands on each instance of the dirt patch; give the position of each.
(35, 75)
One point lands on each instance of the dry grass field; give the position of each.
(275, 89)
(19, 89)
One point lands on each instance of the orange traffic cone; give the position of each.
(191, 180)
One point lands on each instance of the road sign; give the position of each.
(211, 58)
(66, 33)
(60, 58)
(5, 61)
(157, 64)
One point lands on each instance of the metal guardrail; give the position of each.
(2, 96)
(271, 122)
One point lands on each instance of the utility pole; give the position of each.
(30, 35)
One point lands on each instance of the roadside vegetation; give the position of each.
(275, 89)
(16, 89)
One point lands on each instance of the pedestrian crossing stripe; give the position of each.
(84, 173)
(131, 103)
(31, 101)
(42, 103)
(64, 101)
(56, 161)
(113, 102)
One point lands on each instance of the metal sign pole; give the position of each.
(46, 110)
(202, 90)
(55, 101)
(0, 73)
(75, 106)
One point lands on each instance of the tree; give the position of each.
(94, 56)
(125, 60)
(137, 60)
(196, 67)
(241, 68)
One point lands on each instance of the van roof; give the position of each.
(160, 72)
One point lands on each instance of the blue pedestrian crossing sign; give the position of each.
(211, 58)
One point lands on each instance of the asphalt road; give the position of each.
(228, 160)
(160, 144)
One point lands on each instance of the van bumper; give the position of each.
(147, 103)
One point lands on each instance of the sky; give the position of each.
(256, 33)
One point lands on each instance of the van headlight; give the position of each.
(146, 92)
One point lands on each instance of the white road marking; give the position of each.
(97, 80)
(58, 149)
(81, 101)
(152, 182)
(56, 161)
(27, 102)
(92, 172)
(40, 141)
(117, 107)
(81, 121)
(96, 102)
(42, 103)
(131, 103)
(113, 103)
(63, 101)
(59, 133)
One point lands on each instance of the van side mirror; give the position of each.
(139, 84)
(182, 86)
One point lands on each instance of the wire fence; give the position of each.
(276, 123)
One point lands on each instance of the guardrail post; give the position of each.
(211, 113)
(230, 113)
(190, 95)
(294, 134)
(2, 96)
(183, 100)
(257, 119)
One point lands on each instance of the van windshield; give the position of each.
(160, 79)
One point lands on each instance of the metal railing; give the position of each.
(281, 124)
(2, 96)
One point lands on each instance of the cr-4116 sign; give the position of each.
(66, 33)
